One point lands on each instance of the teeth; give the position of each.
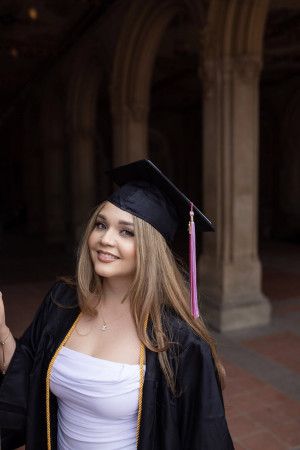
(106, 256)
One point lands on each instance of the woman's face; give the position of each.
(112, 243)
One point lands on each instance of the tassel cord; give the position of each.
(193, 266)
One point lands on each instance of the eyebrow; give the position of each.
(121, 222)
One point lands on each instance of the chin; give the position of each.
(110, 274)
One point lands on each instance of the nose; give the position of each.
(108, 238)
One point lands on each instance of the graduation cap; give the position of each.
(148, 194)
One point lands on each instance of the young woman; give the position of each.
(114, 359)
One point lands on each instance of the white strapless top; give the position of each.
(97, 402)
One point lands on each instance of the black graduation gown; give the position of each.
(193, 420)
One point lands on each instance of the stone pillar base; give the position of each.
(248, 312)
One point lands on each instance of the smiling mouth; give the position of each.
(107, 256)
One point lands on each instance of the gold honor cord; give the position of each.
(141, 385)
(48, 381)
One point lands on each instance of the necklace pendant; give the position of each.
(104, 327)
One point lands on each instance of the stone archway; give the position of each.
(54, 161)
(230, 55)
(88, 68)
(137, 47)
(230, 269)
(289, 199)
(32, 169)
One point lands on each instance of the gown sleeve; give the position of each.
(201, 408)
(15, 384)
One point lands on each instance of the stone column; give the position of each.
(83, 177)
(229, 269)
(54, 193)
(33, 174)
(55, 219)
(130, 130)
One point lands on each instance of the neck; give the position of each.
(113, 292)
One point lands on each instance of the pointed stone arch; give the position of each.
(235, 27)
(137, 47)
(88, 67)
(54, 161)
(230, 59)
(290, 166)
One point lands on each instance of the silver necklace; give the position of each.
(105, 324)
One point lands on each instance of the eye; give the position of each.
(100, 226)
(127, 233)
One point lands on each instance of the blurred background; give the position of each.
(209, 90)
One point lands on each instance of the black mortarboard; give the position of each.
(148, 194)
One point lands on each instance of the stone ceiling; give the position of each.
(35, 33)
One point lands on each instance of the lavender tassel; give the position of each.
(193, 268)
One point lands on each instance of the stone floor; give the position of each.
(262, 397)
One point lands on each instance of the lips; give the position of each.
(106, 256)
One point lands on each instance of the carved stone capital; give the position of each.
(248, 67)
(207, 74)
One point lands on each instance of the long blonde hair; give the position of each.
(159, 284)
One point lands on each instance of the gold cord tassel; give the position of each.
(141, 385)
(3, 353)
